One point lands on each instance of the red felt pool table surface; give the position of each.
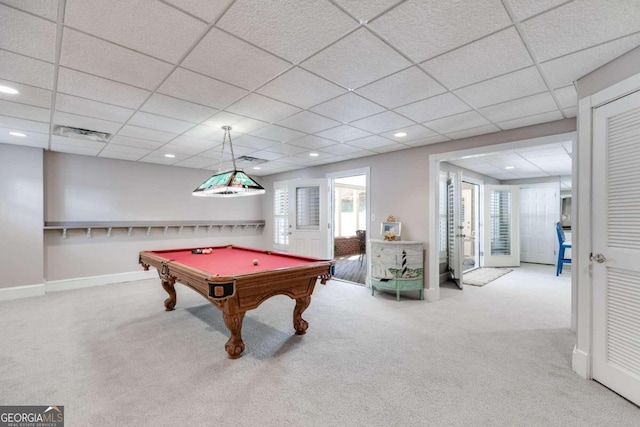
(228, 278)
(234, 260)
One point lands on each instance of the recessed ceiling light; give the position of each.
(257, 168)
(9, 90)
(171, 156)
(400, 134)
(509, 167)
(314, 154)
(20, 134)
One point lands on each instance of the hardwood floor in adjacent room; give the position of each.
(351, 268)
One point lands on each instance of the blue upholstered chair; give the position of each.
(563, 245)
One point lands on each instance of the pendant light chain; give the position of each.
(227, 134)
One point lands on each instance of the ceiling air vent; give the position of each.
(252, 160)
(71, 132)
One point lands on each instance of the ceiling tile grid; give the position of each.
(339, 77)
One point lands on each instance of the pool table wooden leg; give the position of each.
(234, 345)
(299, 323)
(168, 285)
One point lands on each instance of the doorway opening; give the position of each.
(470, 224)
(350, 226)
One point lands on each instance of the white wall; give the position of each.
(81, 188)
(21, 212)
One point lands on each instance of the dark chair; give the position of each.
(563, 245)
(362, 241)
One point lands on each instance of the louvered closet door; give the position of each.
(501, 245)
(616, 246)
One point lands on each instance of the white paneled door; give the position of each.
(539, 212)
(616, 246)
(501, 218)
(308, 218)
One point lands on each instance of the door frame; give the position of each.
(581, 206)
(432, 291)
(331, 176)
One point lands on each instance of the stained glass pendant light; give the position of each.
(233, 183)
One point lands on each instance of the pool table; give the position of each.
(236, 279)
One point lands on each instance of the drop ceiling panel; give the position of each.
(382, 122)
(154, 121)
(504, 88)
(90, 108)
(427, 141)
(566, 70)
(301, 88)
(32, 139)
(402, 88)
(29, 95)
(463, 121)
(434, 108)
(205, 132)
(134, 152)
(523, 9)
(413, 133)
(23, 111)
(45, 8)
(290, 29)
(194, 162)
(579, 25)
(343, 133)
(531, 120)
(87, 86)
(254, 142)
(84, 122)
(239, 124)
(262, 108)
(356, 60)
(567, 96)
(229, 59)
(85, 53)
(451, 24)
(347, 107)
(144, 133)
(340, 149)
(308, 122)
(136, 142)
(200, 89)
(76, 145)
(367, 10)
(174, 107)
(26, 34)
(312, 142)
(25, 70)
(370, 142)
(489, 57)
(277, 133)
(204, 9)
(527, 106)
(467, 133)
(286, 149)
(148, 26)
(389, 148)
(16, 124)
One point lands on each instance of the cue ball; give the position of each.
(255, 262)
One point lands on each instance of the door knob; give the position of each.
(599, 258)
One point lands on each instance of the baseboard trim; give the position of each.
(108, 279)
(581, 363)
(26, 291)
